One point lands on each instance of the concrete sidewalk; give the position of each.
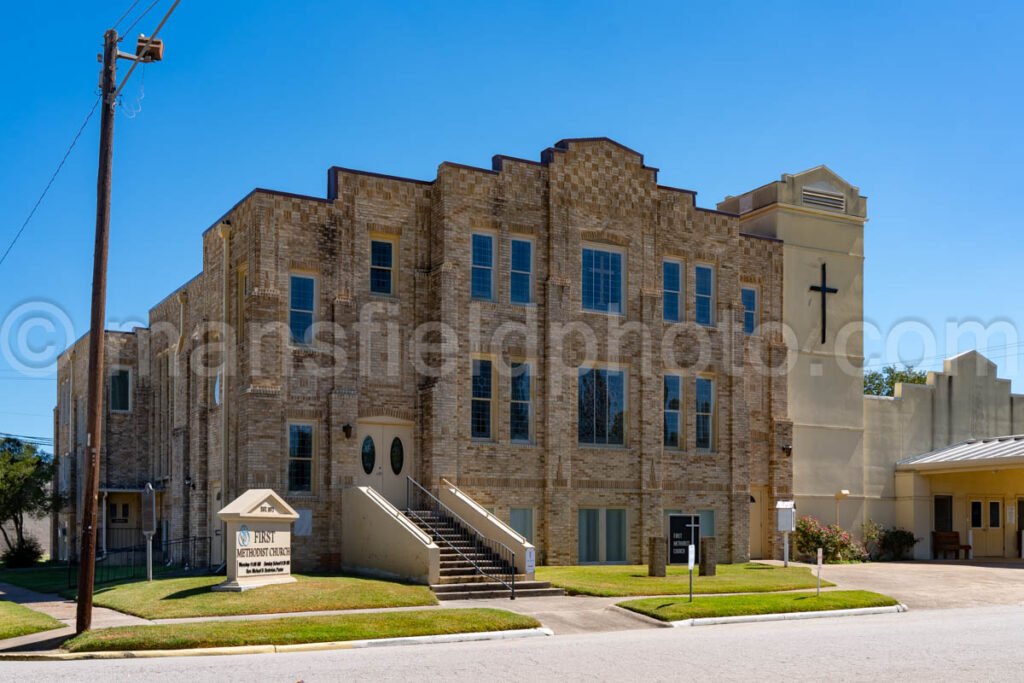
(60, 609)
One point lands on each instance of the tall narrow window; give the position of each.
(300, 317)
(483, 267)
(121, 391)
(300, 457)
(672, 287)
(382, 262)
(601, 398)
(602, 280)
(521, 520)
(483, 392)
(519, 410)
(705, 295)
(602, 535)
(749, 297)
(521, 279)
(705, 413)
(673, 394)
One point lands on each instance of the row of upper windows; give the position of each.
(601, 278)
(601, 406)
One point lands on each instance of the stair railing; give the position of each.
(420, 500)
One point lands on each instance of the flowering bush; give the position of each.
(836, 544)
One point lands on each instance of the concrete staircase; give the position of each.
(469, 569)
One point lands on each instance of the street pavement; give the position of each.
(967, 644)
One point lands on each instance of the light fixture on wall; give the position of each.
(787, 449)
(347, 428)
(189, 485)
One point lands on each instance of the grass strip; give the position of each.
(678, 609)
(292, 630)
(191, 596)
(627, 580)
(16, 620)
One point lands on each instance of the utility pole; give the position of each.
(87, 558)
(147, 50)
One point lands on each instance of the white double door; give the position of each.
(386, 457)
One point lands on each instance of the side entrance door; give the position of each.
(759, 519)
(987, 525)
(386, 457)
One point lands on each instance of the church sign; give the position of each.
(259, 537)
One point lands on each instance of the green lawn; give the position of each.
(627, 580)
(191, 596)
(300, 630)
(677, 609)
(16, 620)
(45, 578)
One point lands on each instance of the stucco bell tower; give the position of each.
(820, 218)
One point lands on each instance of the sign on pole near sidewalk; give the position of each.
(819, 571)
(149, 525)
(691, 551)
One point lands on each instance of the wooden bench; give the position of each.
(946, 541)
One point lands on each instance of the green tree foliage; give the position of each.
(25, 477)
(883, 382)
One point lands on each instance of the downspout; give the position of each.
(104, 537)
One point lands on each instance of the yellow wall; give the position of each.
(1006, 487)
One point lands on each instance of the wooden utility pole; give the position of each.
(94, 429)
(147, 50)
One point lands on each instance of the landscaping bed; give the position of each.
(293, 630)
(16, 620)
(678, 609)
(627, 580)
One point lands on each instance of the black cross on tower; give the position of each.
(825, 291)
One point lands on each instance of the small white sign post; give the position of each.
(819, 571)
(259, 529)
(692, 552)
(785, 511)
(149, 525)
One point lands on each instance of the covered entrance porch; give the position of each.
(975, 488)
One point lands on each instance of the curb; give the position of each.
(789, 616)
(642, 618)
(271, 649)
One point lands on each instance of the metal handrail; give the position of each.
(502, 551)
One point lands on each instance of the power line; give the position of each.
(140, 17)
(126, 13)
(50, 184)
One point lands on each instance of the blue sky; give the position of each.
(918, 103)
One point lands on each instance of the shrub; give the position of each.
(26, 554)
(888, 544)
(836, 544)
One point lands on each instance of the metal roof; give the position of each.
(1007, 451)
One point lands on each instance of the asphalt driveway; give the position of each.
(935, 585)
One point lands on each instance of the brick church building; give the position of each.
(576, 347)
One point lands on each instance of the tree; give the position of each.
(25, 477)
(883, 383)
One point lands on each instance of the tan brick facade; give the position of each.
(195, 433)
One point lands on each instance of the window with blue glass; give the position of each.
(483, 267)
(705, 413)
(749, 297)
(602, 280)
(704, 295)
(519, 409)
(300, 457)
(601, 406)
(382, 262)
(672, 287)
(483, 395)
(521, 279)
(300, 314)
(672, 401)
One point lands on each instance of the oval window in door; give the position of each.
(397, 455)
(369, 455)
